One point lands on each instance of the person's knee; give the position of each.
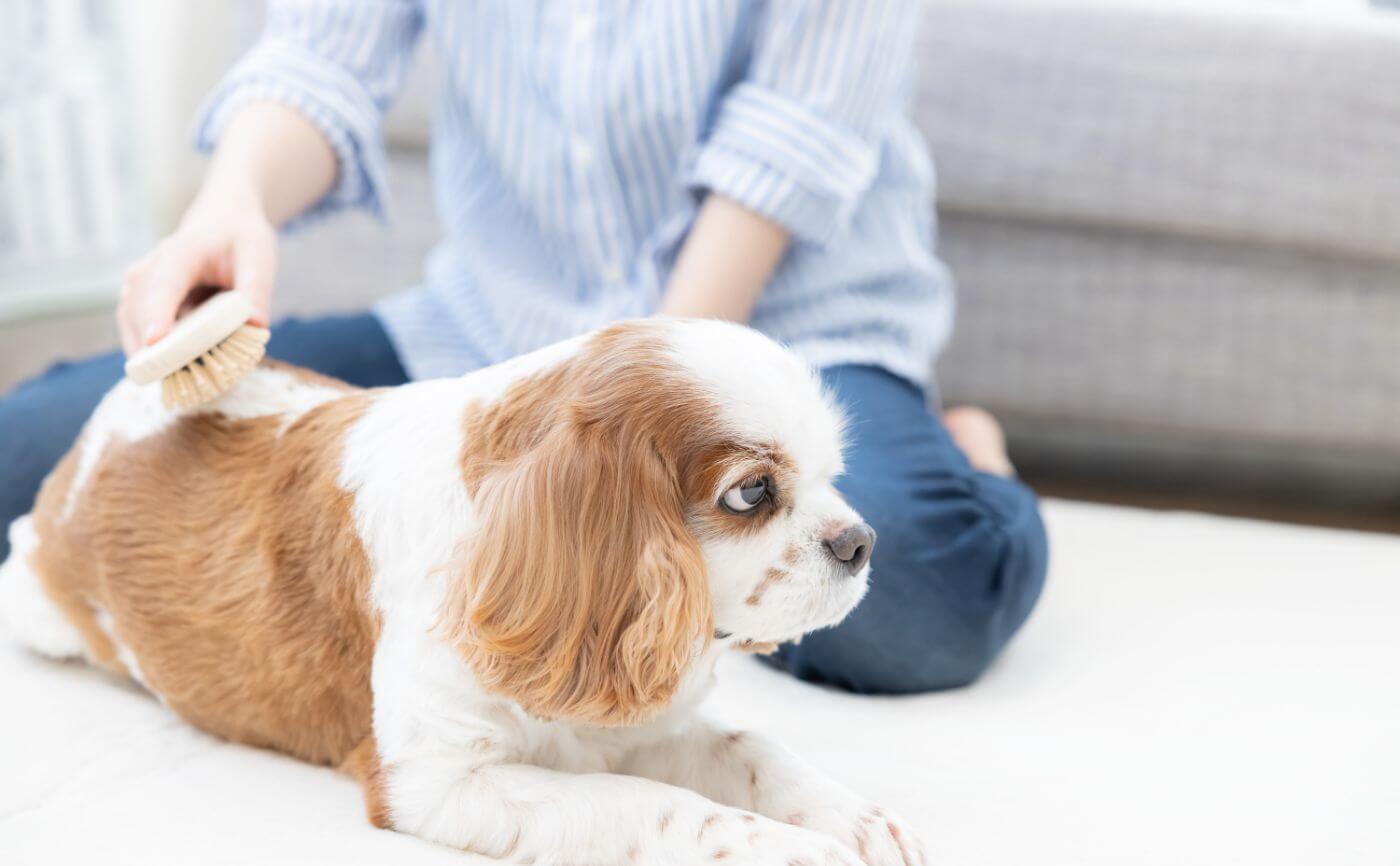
(940, 610)
(17, 484)
(988, 582)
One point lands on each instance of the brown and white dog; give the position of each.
(494, 600)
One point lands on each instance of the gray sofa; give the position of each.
(1176, 232)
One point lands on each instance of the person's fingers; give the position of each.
(172, 274)
(130, 336)
(126, 327)
(133, 281)
(255, 272)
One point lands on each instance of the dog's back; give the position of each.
(263, 638)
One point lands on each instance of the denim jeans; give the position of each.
(959, 563)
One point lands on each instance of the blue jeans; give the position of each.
(960, 560)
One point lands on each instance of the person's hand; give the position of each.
(223, 242)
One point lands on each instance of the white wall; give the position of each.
(175, 51)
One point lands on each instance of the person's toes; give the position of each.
(978, 435)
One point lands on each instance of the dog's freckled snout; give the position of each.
(851, 547)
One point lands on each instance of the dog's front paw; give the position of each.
(878, 837)
(737, 838)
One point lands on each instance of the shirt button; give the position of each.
(583, 152)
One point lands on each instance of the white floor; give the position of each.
(1191, 690)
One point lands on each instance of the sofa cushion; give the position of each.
(1220, 342)
(1255, 121)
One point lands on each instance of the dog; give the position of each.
(495, 601)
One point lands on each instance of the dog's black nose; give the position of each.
(851, 547)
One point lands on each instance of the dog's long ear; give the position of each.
(584, 595)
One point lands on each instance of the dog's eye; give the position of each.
(745, 496)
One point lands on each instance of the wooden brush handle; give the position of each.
(201, 330)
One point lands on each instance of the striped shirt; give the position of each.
(573, 141)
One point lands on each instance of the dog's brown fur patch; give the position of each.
(227, 557)
(770, 577)
(584, 594)
(50, 560)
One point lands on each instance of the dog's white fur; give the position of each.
(469, 768)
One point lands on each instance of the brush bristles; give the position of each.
(213, 373)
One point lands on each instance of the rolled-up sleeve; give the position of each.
(798, 138)
(338, 63)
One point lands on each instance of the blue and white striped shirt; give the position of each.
(573, 140)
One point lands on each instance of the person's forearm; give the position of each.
(727, 259)
(272, 158)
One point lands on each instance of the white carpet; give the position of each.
(1191, 690)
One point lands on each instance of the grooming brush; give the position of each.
(207, 351)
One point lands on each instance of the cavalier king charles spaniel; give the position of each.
(496, 601)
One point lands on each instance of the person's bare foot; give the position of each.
(978, 435)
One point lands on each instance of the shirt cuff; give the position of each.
(329, 98)
(781, 159)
